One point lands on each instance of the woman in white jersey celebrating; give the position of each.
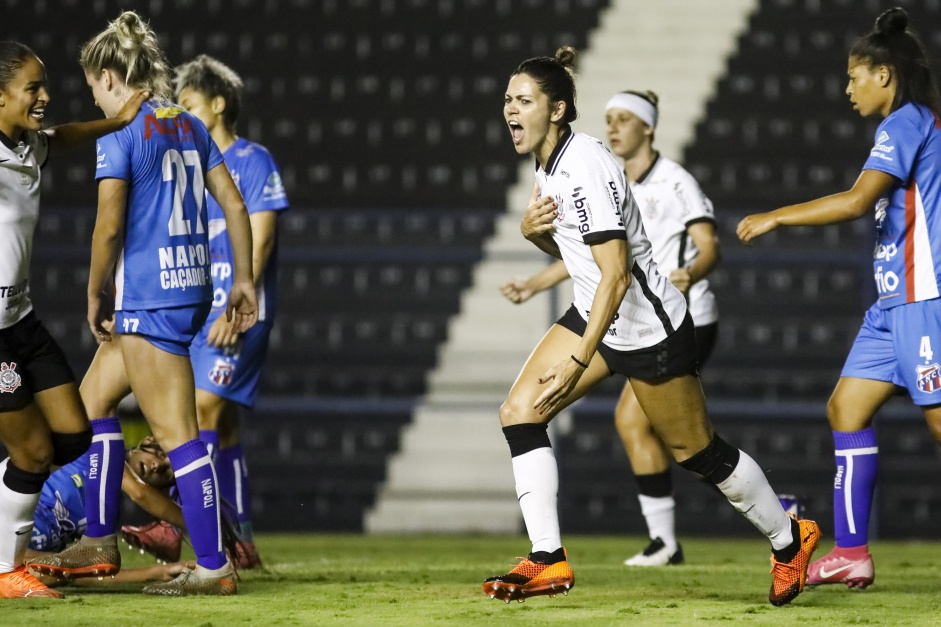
(679, 221)
(638, 326)
(42, 421)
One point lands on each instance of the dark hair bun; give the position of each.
(893, 21)
(565, 56)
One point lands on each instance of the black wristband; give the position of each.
(583, 365)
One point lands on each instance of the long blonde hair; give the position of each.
(129, 48)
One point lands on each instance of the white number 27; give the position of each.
(174, 169)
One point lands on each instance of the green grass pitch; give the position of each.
(435, 580)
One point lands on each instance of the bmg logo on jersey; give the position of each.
(582, 210)
(929, 378)
(10, 379)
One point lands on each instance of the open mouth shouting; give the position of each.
(516, 132)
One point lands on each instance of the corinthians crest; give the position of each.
(10, 379)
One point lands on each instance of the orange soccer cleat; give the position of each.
(18, 584)
(533, 576)
(790, 577)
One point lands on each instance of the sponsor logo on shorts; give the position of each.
(929, 378)
(222, 373)
(10, 379)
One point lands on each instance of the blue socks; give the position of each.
(211, 438)
(197, 486)
(857, 461)
(105, 471)
(233, 485)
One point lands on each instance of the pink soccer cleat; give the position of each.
(159, 538)
(850, 566)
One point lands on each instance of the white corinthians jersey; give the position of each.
(670, 202)
(19, 211)
(595, 205)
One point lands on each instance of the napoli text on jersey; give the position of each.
(20, 165)
(259, 180)
(595, 206)
(907, 257)
(164, 155)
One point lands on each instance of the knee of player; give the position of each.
(515, 412)
(841, 415)
(33, 456)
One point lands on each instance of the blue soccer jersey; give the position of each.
(907, 257)
(60, 514)
(258, 178)
(164, 155)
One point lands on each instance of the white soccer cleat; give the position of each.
(657, 553)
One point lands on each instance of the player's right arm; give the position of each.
(107, 241)
(849, 205)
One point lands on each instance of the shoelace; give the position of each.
(23, 578)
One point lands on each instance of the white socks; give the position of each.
(748, 491)
(659, 512)
(537, 488)
(16, 523)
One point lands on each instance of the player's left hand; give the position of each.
(242, 308)
(222, 333)
(562, 379)
(101, 316)
(681, 279)
(754, 225)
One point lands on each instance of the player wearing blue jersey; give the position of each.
(42, 421)
(60, 514)
(890, 78)
(227, 365)
(638, 326)
(150, 270)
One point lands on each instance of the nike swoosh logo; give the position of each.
(825, 573)
(23, 532)
(3, 160)
(522, 495)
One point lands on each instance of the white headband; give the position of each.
(641, 107)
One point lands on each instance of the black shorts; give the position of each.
(30, 362)
(673, 357)
(706, 341)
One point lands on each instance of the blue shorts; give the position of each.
(171, 329)
(232, 373)
(901, 345)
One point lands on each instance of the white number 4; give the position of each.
(926, 348)
(130, 325)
